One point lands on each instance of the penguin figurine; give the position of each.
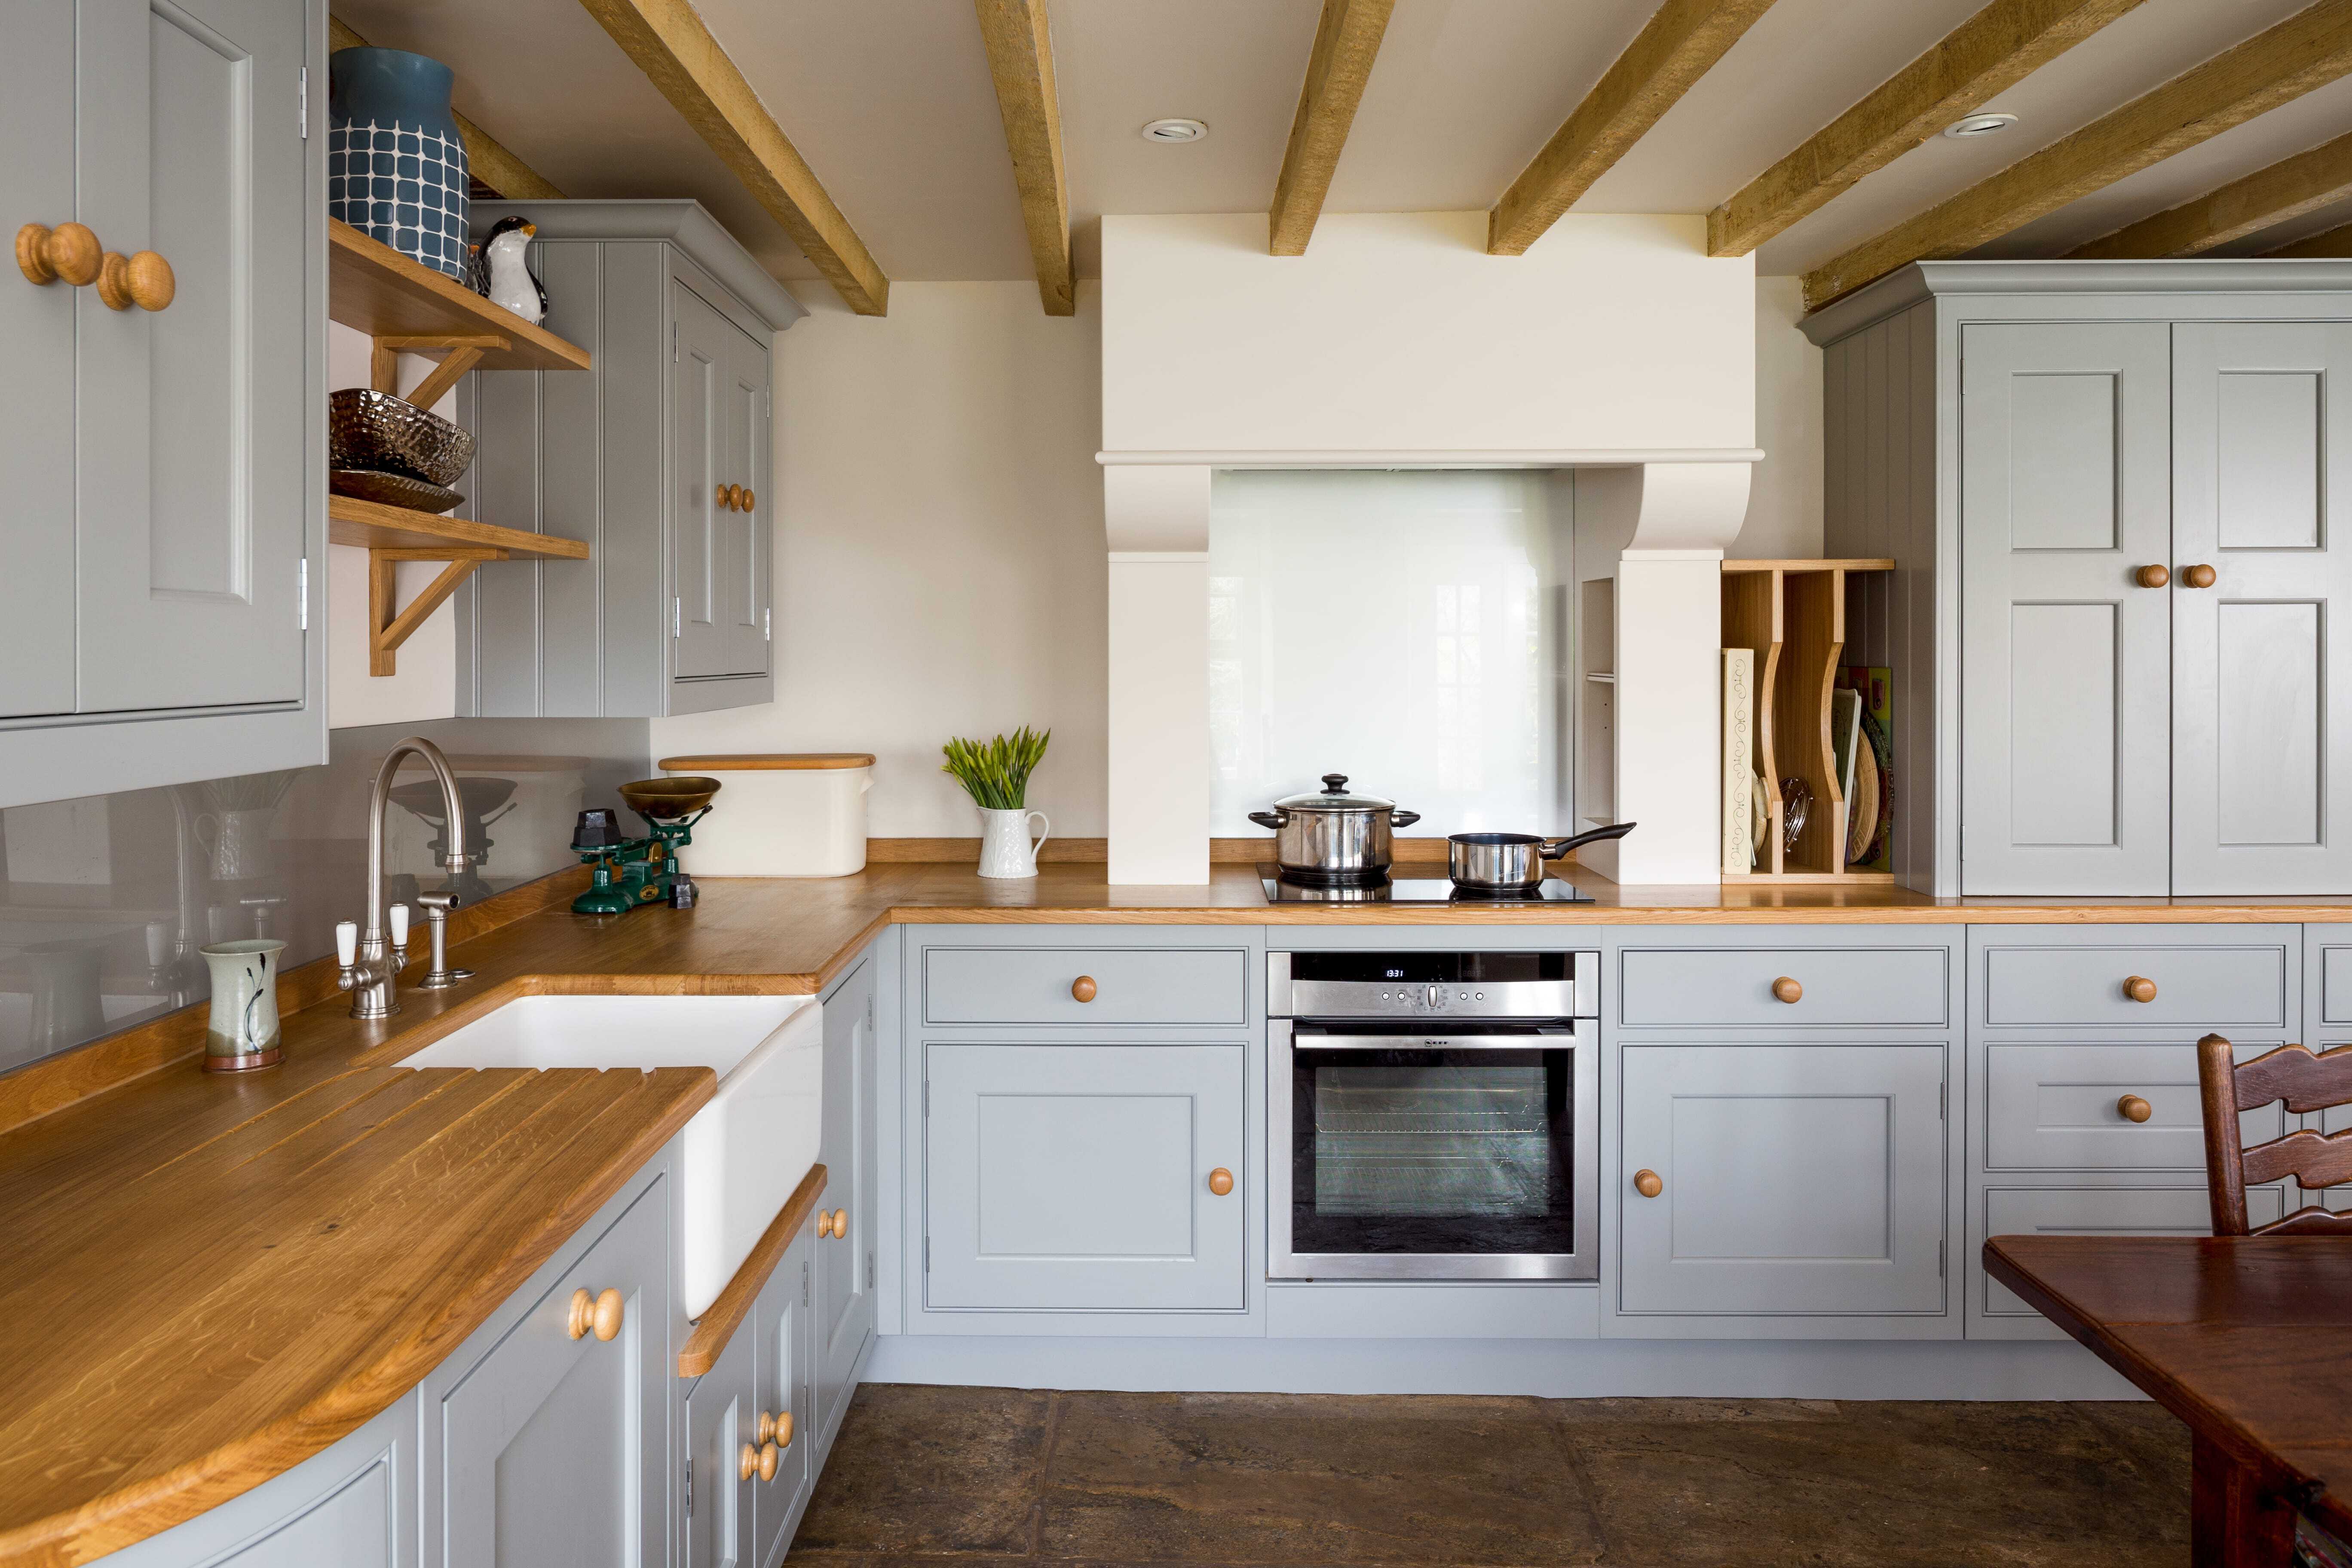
(506, 268)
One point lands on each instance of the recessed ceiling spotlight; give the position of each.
(1969, 125)
(1174, 130)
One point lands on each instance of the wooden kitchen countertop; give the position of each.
(211, 1277)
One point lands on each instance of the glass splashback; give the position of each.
(1403, 628)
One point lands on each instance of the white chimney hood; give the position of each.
(1396, 342)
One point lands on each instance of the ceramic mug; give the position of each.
(1004, 847)
(243, 1031)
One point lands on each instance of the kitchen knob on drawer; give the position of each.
(2151, 576)
(1221, 1180)
(767, 1461)
(2140, 988)
(1084, 989)
(840, 1225)
(1648, 1183)
(69, 251)
(599, 1314)
(1786, 989)
(747, 1463)
(2132, 1108)
(776, 1429)
(144, 281)
(823, 1224)
(2198, 577)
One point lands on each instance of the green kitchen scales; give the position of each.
(632, 873)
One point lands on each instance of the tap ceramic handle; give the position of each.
(347, 942)
(397, 917)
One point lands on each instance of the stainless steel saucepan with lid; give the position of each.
(1513, 862)
(1334, 837)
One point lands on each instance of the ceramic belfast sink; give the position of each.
(744, 1151)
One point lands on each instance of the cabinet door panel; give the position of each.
(719, 1423)
(2065, 492)
(556, 1449)
(2262, 736)
(1800, 1179)
(782, 1387)
(743, 580)
(845, 1263)
(191, 419)
(699, 550)
(2060, 1107)
(1076, 1177)
(36, 394)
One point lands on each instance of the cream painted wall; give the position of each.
(940, 565)
(426, 684)
(1784, 505)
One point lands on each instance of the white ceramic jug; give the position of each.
(1004, 847)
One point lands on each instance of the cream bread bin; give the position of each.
(781, 814)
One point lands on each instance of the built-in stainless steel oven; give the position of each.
(1433, 1115)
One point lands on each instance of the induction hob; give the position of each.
(1416, 890)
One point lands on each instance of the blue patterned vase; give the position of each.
(395, 163)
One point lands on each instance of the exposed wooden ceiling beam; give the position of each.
(486, 156)
(2264, 199)
(1987, 54)
(677, 54)
(1680, 44)
(1346, 41)
(1020, 59)
(2309, 50)
(2334, 242)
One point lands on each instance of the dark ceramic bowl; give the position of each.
(371, 429)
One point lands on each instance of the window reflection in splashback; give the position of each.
(1402, 627)
(104, 899)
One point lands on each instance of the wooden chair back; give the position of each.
(2306, 1082)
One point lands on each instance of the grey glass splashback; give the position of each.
(104, 899)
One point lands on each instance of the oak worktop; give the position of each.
(211, 1277)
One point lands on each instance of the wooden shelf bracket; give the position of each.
(460, 354)
(388, 629)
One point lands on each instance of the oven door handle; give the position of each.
(1311, 1039)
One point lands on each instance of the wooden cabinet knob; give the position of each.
(2151, 576)
(750, 500)
(599, 1314)
(1787, 989)
(2132, 1108)
(776, 1429)
(69, 251)
(747, 1463)
(1221, 1180)
(768, 1461)
(823, 1224)
(2140, 988)
(144, 281)
(1647, 1183)
(718, 498)
(2198, 577)
(1084, 989)
(835, 1225)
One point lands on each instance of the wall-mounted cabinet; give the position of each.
(658, 460)
(166, 338)
(2112, 493)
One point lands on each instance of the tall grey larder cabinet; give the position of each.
(660, 457)
(2117, 497)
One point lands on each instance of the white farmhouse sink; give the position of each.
(745, 1150)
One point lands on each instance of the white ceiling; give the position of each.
(890, 102)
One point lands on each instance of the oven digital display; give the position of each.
(1432, 968)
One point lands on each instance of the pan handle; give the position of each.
(1267, 818)
(1554, 848)
(1403, 818)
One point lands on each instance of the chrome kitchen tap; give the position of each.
(371, 961)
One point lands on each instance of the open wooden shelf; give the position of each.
(371, 525)
(1792, 614)
(375, 289)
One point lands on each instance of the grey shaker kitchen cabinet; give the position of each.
(544, 1450)
(166, 468)
(1078, 1177)
(783, 1391)
(2326, 1023)
(1794, 1182)
(721, 1461)
(647, 457)
(352, 1505)
(2023, 438)
(843, 1264)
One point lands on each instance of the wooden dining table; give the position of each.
(2247, 1339)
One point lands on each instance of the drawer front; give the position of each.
(1042, 985)
(2198, 987)
(2099, 1211)
(2060, 1107)
(2334, 984)
(1733, 987)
